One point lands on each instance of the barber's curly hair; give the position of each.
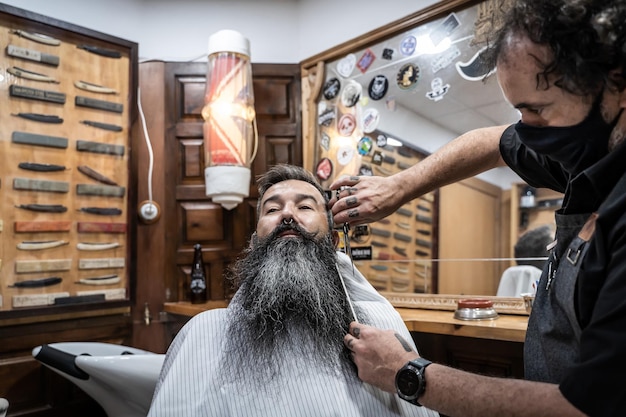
(587, 37)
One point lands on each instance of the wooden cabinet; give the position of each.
(75, 58)
(67, 195)
(34, 390)
(499, 358)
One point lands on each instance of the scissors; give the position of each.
(346, 246)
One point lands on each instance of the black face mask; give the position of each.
(575, 147)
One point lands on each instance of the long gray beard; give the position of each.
(290, 304)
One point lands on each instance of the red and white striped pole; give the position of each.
(230, 138)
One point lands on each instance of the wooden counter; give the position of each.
(506, 327)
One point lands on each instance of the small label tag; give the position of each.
(111, 294)
(362, 253)
(36, 300)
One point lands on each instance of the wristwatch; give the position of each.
(410, 380)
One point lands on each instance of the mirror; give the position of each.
(420, 81)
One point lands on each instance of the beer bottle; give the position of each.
(198, 278)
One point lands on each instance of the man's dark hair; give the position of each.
(284, 172)
(587, 38)
(532, 244)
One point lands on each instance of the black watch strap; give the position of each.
(410, 380)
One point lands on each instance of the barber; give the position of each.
(560, 63)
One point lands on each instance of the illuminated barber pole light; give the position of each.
(230, 138)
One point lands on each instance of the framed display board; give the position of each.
(67, 103)
(395, 253)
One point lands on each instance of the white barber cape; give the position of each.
(186, 387)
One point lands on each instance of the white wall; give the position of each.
(280, 31)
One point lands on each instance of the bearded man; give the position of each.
(277, 350)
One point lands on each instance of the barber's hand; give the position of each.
(363, 199)
(378, 354)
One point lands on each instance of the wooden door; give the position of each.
(469, 238)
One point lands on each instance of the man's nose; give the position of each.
(288, 214)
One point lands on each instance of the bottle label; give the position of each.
(197, 285)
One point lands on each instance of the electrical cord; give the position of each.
(149, 211)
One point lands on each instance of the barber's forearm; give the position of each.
(469, 154)
(458, 393)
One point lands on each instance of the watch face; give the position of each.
(408, 383)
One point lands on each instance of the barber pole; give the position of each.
(229, 119)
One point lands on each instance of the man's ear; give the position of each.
(335, 238)
(253, 240)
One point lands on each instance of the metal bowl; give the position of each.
(475, 309)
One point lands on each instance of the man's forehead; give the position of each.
(518, 46)
(293, 189)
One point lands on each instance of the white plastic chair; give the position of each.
(518, 280)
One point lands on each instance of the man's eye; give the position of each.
(271, 210)
(306, 208)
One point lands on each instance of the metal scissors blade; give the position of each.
(345, 290)
(346, 240)
(346, 247)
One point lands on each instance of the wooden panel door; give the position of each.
(468, 235)
(222, 233)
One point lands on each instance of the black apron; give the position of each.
(553, 336)
(552, 343)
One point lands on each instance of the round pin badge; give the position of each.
(381, 141)
(371, 117)
(325, 141)
(378, 87)
(345, 154)
(346, 65)
(407, 45)
(346, 125)
(351, 93)
(408, 76)
(331, 88)
(324, 169)
(438, 89)
(361, 233)
(325, 117)
(365, 145)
